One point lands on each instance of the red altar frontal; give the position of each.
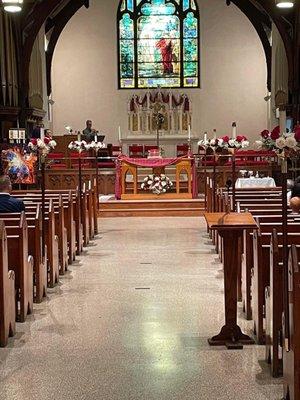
(183, 187)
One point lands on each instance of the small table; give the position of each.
(231, 227)
(255, 182)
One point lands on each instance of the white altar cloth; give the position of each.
(255, 182)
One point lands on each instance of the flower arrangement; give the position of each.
(42, 146)
(78, 145)
(157, 184)
(82, 145)
(95, 146)
(279, 142)
(225, 142)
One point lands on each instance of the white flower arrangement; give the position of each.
(95, 146)
(82, 145)
(78, 145)
(157, 184)
(225, 142)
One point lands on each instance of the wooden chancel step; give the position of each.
(151, 208)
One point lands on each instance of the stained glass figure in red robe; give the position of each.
(166, 50)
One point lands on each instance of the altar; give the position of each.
(183, 187)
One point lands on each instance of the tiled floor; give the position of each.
(131, 321)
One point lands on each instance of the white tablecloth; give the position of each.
(254, 182)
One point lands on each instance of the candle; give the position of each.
(120, 136)
(189, 131)
(234, 130)
(78, 136)
(42, 133)
(215, 133)
(205, 137)
(96, 138)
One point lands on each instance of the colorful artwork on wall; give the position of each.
(19, 166)
(158, 44)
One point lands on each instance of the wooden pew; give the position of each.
(274, 306)
(85, 217)
(60, 229)
(247, 257)
(72, 213)
(7, 292)
(291, 354)
(261, 274)
(34, 225)
(22, 264)
(68, 213)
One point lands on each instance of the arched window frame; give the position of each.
(133, 8)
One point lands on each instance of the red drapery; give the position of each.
(165, 99)
(152, 163)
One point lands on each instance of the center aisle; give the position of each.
(131, 322)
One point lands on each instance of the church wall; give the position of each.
(233, 73)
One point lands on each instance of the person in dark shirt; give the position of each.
(9, 204)
(295, 196)
(88, 133)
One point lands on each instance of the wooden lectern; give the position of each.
(230, 227)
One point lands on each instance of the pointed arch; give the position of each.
(158, 44)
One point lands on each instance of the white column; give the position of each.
(282, 120)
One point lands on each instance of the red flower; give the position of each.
(225, 139)
(47, 140)
(297, 134)
(265, 134)
(34, 141)
(240, 138)
(275, 134)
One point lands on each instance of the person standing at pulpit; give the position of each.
(88, 134)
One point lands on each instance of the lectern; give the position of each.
(231, 227)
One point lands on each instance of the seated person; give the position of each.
(88, 134)
(295, 197)
(9, 204)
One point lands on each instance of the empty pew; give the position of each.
(7, 292)
(34, 226)
(274, 306)
(291, 350)
(60, 230)
(22, 265)
(247, 257)
(261, 273)
(72, 213)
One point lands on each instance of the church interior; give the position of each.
(150, 199)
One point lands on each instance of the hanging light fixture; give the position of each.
(285, 3)
(12, 5)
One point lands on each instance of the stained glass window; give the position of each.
(158, 43)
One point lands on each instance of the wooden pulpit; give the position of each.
(231, 227)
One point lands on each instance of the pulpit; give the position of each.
(231, 227)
